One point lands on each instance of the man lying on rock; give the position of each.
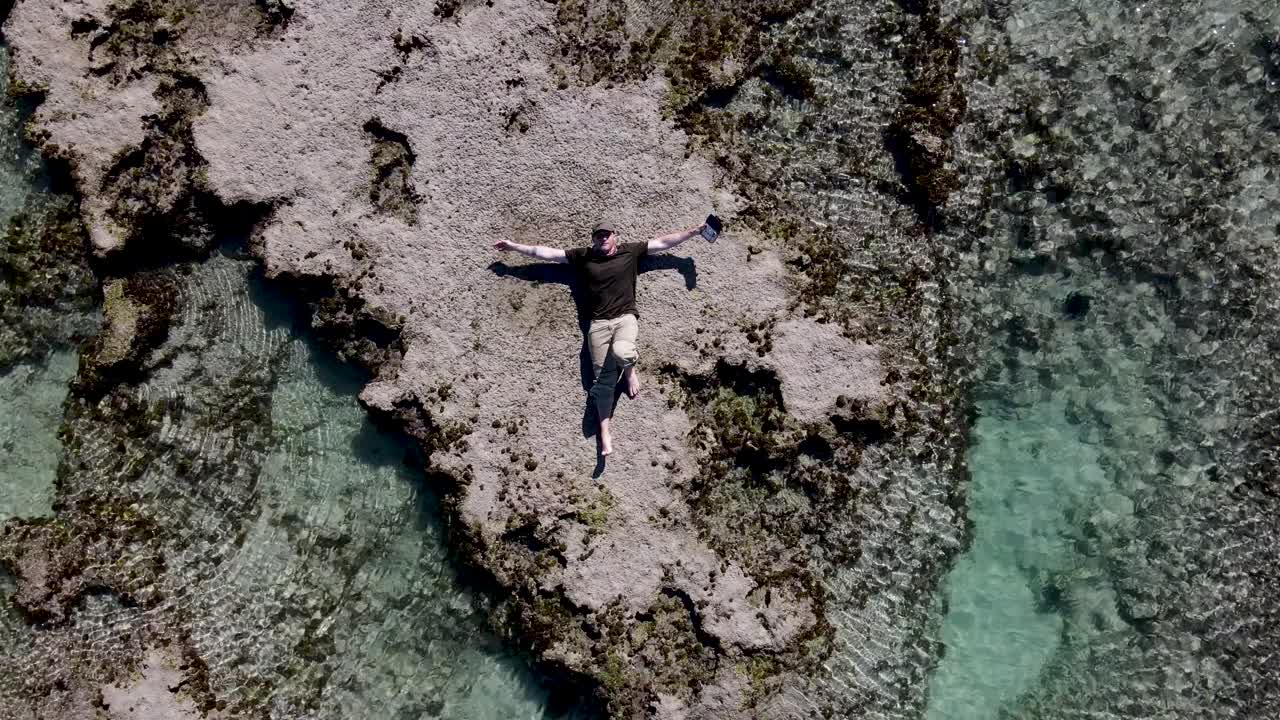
(607, 270)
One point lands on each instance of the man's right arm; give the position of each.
(540, 252)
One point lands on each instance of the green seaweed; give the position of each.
(391, 162)
(595, 514)
(703, 47)
(137, 312)
(932, 105)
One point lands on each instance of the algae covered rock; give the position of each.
(117, 90)
(47, 289)
(136, 311)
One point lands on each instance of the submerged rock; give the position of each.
(47, 289)
(155, 692)
(137, 312)
(1076, 306)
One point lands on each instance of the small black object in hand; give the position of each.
(711, 230)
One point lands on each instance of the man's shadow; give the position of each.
(561, 274)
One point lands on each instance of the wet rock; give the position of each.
(56, 562)
(47, 289)
(1076, 306)
(708, 49)
(1021, 334)
(1137, 611)
(933, 104)
(137, 312)
(114, 81)
(46, 569)
(155, 691)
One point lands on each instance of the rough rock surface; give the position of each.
(814, 360)
(81, 119)
(154, 694)
(388, 170)
(487, 346)
(47, 290)
(108, 74)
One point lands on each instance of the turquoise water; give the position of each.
(340, 578)
(31, 394)
(1024, 583)
(347, 527)
(998, 633)
(1062, 462)
(31, 397)
(1121, 285)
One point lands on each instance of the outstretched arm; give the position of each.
(666, 242)
(540, 252)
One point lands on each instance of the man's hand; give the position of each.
(504, 246)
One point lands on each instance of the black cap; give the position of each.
(603, 226)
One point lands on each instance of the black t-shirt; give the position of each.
(610, 280)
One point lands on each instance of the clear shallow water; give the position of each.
(1122, 282)
(1064, 460)
(1025, 587)
(309, 572)
(998, 632)
(31, 394)
(346, 530)
(21, 169)
(31, 397)
(332, 594)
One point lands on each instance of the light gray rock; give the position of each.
(100, 87)
(82, 119)
(816, 363)
(286, 126)
(154, 693)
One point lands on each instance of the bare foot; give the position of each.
(633, 382)
(606, 439)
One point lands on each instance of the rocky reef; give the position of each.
(694, 573)
(1124, 268)
(48, 293)
(790, 486)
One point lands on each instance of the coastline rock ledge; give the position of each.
(381, 148)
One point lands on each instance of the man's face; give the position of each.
(605, 241)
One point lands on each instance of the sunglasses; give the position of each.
(602, 235)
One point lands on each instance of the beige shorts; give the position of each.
(612, 344)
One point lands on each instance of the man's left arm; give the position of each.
(666, 242)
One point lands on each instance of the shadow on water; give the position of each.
(281, 311)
